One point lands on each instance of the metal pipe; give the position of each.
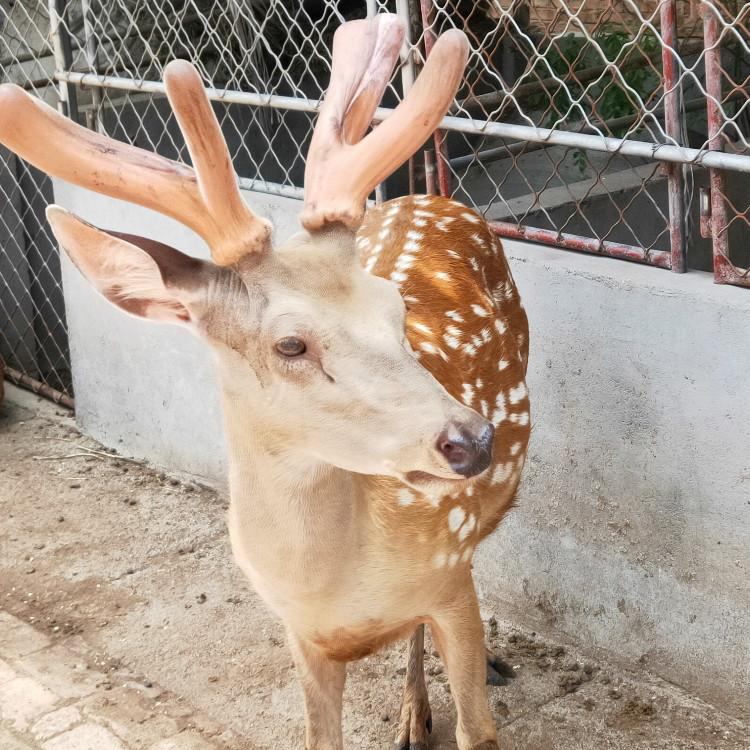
(672, 96)
(644, 150)
(441, 147)
(372, 9)
(659, 258)
(523, 147)
(93, 63)
(26, 381)
(724, 270)
(63, 54)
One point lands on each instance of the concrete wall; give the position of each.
(633, 529)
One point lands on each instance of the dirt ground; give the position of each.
(130, 568)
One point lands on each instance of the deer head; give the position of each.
(306, 340)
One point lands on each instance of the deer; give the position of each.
(372, 368)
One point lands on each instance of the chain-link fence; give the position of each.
(604, 126)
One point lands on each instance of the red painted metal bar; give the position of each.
(26, 381)
(725, 271)
(668, 14)
(441, 147)
(660, 258)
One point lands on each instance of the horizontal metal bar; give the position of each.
(642, 149)
(590, 245)
(271, 188)
(26, 381)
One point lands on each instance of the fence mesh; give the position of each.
(587, 70)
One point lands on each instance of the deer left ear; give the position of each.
(138, 275)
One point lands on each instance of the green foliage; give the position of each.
(606, 97)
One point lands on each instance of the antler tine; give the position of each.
(59, 147)
(341, 172)
(236, 229)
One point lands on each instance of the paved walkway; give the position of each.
(52, 699)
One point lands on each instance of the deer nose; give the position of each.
(468, 449)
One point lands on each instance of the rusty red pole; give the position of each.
(441, 147)
(723, 268)
(670, 82)
(591, 245)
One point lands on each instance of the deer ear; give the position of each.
(141, 276)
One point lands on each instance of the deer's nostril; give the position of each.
(468, 451)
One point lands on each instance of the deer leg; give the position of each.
(458, 631)
(323, 686)
(416, 718)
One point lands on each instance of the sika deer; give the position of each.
(374, 437)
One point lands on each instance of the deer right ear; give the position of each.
(141, 276)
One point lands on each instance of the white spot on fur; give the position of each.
(500, 413)
(426, 346)
(404, 261)
(383, 233)
(518, 393)
(442, 276)
(501, 327)
(474, 264)
(456, 518)
(502, 473)
(468, 527)
(484, 408)
(515, 448)
(439, 560)
(522, 419)
(420, 212)
(502, 364)
(470, 349)
(370, 264)
(453, 330)
(420, 222)
(473, 218)
(411, 247)
(468, 393)
(479, 382)
(452, 341)
(421, 327)
(480, 311)
(415, 236)
(453, 559)
(486, 334)
(454, 315)
(405, 497)
(398, 277)
(442, 224)
(468, 552)
(411, 299)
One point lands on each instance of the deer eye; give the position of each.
(291, 346)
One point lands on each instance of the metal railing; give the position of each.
(618, 129)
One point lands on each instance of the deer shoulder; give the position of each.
(467, 326)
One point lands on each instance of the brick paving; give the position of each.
(51, 699)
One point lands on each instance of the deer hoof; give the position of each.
(499, 672)
(414, 732)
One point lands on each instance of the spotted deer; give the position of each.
(371, 369)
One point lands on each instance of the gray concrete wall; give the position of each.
(633, 529)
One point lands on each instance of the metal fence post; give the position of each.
(723, 269)
(96, 122)
(63, 58)
(441, 147)
(672, 108)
